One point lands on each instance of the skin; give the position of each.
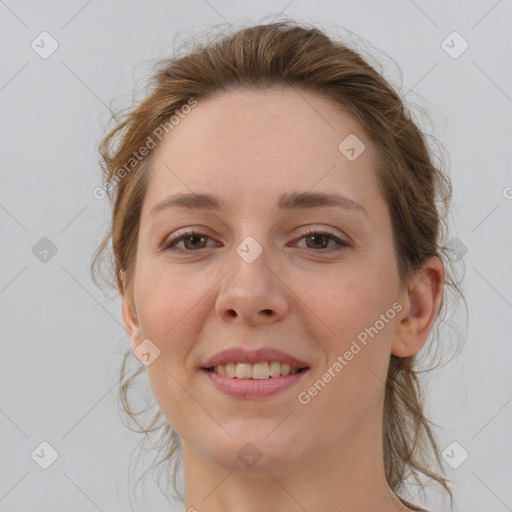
(248, 147)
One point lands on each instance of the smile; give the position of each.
(249, 387)
(259, 371)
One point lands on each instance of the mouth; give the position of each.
(259, 371)
(254, 381)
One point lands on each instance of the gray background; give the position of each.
(62, 337)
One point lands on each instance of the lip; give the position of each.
(241, 355)
(252, 388)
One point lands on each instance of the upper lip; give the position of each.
(241, 355)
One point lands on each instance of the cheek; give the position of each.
(357, 353)
(357, 324)
(347, 302)
(170, 308)
(165, 300)
(168, 305)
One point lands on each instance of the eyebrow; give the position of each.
(287, 201)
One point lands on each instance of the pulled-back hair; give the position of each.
(413, 185)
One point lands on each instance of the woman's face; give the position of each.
(255, 277)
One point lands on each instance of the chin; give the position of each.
(252, 453)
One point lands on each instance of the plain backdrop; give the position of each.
(62, 338)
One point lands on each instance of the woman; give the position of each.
(277, 247)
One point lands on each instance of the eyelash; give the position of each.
(170, 245)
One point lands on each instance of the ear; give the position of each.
(129, 314)
(421, 305)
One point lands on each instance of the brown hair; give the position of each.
(414, 187)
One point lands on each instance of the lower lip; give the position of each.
(254, 388)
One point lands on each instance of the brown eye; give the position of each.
(191, 242)
(320, 240)
(196, 241)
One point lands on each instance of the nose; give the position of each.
(252, 293)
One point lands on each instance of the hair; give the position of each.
(416, 189)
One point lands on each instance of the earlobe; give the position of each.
(421, 305)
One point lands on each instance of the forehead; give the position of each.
(251, 119)
(251, 143)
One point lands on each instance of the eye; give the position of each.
(321, 238)
(196, 242)
(193, 240)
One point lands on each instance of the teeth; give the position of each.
(243, 371)
(259, 371)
